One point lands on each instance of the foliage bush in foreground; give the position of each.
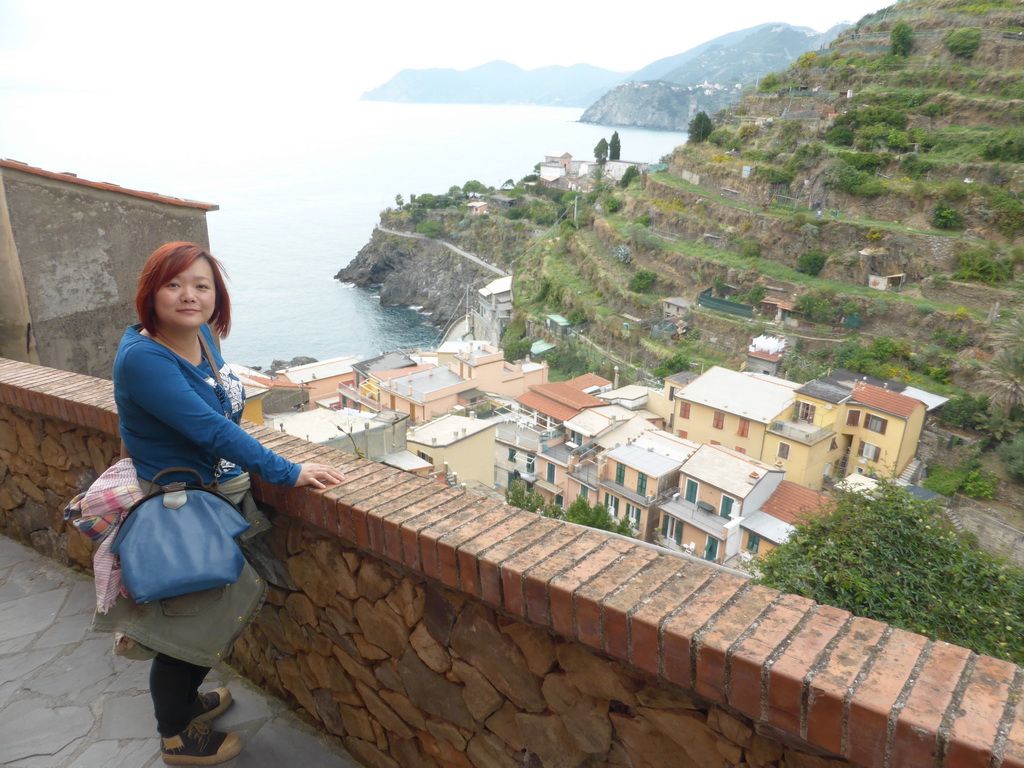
(894, 558)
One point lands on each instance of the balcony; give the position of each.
(527, 438)
(585, 473)
(803, 431)
(629, 494)
(698, 515)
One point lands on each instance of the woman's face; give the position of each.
(187, 300)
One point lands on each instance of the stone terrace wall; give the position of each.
(425, 626)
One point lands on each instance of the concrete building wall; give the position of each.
(70, 255)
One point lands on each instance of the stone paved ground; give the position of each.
(67, 702)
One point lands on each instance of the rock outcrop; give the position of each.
(418, 272)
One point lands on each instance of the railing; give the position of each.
(800, 430)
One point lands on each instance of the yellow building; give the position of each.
(459, 446)
(836, 430)
(724, 407)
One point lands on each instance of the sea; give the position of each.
(300, 193)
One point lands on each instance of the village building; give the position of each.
(715, 486)
(70, 258)
(459, 448)
(322, 378)
(493, 310)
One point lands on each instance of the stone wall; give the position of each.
(426, 626)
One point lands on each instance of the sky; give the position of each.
(209, 50)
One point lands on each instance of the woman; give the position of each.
(174, 411)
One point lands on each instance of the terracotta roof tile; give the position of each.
(72, 179)
(547, 406)
(885, 400)
(588, 380)
(565, 393)
(790, 502)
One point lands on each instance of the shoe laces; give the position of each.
(198, 732)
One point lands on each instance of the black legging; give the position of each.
(174, 686)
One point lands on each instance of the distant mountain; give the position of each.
(668, 93)
(499, 82)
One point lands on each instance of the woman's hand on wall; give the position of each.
(318, 475)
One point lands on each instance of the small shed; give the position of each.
(477, 207)
(558, 324)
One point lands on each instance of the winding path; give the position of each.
(464, 254)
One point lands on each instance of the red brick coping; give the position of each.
(876, 695)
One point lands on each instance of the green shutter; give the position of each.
(691, 491)
(641, 484)
(620, 473)
(726, 510)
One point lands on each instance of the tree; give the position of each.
(601, 151)
(597, 516)
(627, 177)
(1003, 379)
(889, 556)
(518, 496)
(700, 128)
(614, 147)
(901, 39)
(399, 201)
(517, 350)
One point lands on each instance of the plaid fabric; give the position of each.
(99, 512)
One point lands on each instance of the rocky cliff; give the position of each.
(418, 272)
(657, 106)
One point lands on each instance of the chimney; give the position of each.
(615, 378)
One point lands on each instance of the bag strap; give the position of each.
(209, 358)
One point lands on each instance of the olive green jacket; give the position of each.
(201, 627)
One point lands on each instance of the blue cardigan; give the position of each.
(171, 415)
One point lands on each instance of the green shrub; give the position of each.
(750, 248)
(865, 161)
(642, 281)
(628, 177)
(963, 42)
(945, 217)
(774, 175)
(980, 265)
(915, 166)
(674, 364)
(1006, 145)
(858, 183)
(839, 136)
(811, 263)
(1012, 455)
(430, 228)
(612, 204)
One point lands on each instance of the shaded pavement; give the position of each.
(67, 702)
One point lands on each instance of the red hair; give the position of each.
(173, 259)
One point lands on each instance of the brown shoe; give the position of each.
(211, 704)
(198, 745)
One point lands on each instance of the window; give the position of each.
(715, 442)
(612, 502)
(753, 542)
(633, 515)
(726, 510)
(641, 484)
(511, 479)
(805, 411)
(684, 410)
(531, 464)
(782, 451)
(512, 454)
(691, 490)
(575, 437)
(584, 494)
(868, 451)
(620, 473)
(551, 473)
(744, 428)
(853, 419)
(683, 433)
(558, 500)
(672, 529)
(875, 423)
(718, 420)
(740, 449)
